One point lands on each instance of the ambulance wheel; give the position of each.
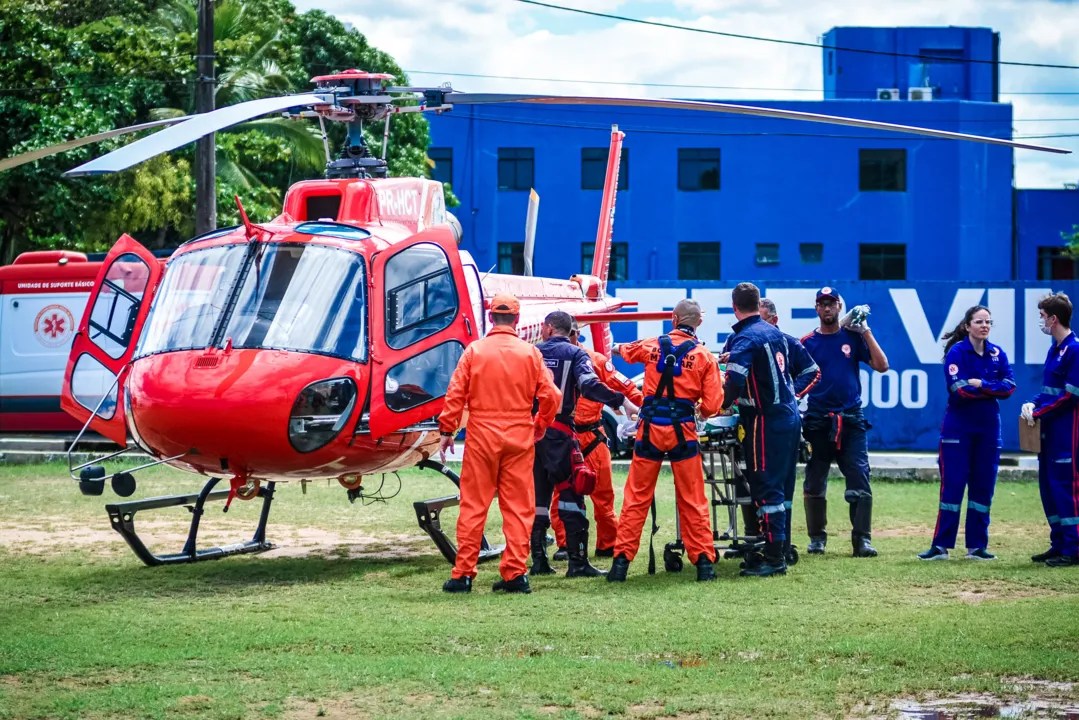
(672, 560)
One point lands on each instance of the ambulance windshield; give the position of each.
(304, 297)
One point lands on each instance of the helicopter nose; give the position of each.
(263, 412)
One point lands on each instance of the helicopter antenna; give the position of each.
(248, 227)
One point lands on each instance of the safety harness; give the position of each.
(663, 408)
(598, 436)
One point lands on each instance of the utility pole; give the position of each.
(205, 152)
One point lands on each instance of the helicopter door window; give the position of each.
(422, 378)
(475, 295)
(94, 386)
(112, 319)
(421, 298)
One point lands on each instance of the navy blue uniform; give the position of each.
(834, 425)
(574, 376)
(759, 378)
(970, 440)
(1057, 406)
(804, 373)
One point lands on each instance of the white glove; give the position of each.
(626, 430)
(630, 409)
(1027, 413)
(857, 320)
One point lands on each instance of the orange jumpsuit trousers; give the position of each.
(590, 413)
(498, 377)
(700, 382)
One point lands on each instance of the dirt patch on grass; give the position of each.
(905, 531)
(56, 536)
(975, 592)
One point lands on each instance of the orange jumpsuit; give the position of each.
(699, 381)
(590, 415)
(498, 377)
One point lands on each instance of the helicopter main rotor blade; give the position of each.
(454, 98)
(27, 157)
(193, 128)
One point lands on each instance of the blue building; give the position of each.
(708, 196)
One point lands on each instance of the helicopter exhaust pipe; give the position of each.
(530, 229)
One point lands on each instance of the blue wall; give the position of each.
(850, 74)
(1041, 216)
(906, 404)
(781, 182)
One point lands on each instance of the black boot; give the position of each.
(605, 552)
(861, 520)
(619, 568)
(560, 555)
(577, 550)
(705, 571)
(750, 522)
(816, 522)
(1047, 555)
(1063, 561)
(518, 584)
(772, 564)
(458, 585)
(540, 566)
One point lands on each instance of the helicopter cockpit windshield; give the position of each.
(303, 297)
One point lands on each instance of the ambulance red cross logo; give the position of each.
(846, 350)
(780, 363)
(54, 326)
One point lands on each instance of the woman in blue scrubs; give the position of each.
(978, 376)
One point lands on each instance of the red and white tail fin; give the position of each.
(601, 258)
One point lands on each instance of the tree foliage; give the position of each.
(70, 68)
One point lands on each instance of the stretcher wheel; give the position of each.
(351, 482)
(248, 491)
(792, 558)
(672, 560)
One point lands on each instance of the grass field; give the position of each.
(348, 619)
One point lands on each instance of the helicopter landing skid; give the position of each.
(122, 517)
(427, 512)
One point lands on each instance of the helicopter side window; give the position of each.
(94, 386)
(422, 378)
(112, 319)
(421, 298)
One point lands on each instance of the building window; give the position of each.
(1056, 263)
(812, 253)
(882, 262)
(511, 258)
(882, 170)
(698, 261)
(698, 168)
(594, 168)
(619, 260)
(515, 168)
(441, 164)
(767, 253)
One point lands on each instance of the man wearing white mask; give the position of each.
(1057, 407)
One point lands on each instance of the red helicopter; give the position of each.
(319, 344)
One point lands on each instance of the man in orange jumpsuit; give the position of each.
(679, 373)
(500, 378)
(588, 425)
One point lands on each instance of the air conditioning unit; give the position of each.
(887, 93)
(920, 93)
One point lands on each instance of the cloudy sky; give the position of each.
(440, 40)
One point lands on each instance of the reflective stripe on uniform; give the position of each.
(1046, 390)
(543, 512)
(736, 368)
(1069, 521)
(950, 507)
(774, 370)
(950, 441)
(971, 505)
(565, 507)
(769, 509)
(809, 370)
(1053, 519)
(1063, 460)
(954, 387)
(1072, 389)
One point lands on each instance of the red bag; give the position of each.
(582, 479)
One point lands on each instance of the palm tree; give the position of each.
(245, 71)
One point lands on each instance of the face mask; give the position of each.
(1043, 328)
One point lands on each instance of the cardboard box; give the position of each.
(1030, 438)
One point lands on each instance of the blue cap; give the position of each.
(828, 291)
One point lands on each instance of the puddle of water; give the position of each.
(969, 708)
